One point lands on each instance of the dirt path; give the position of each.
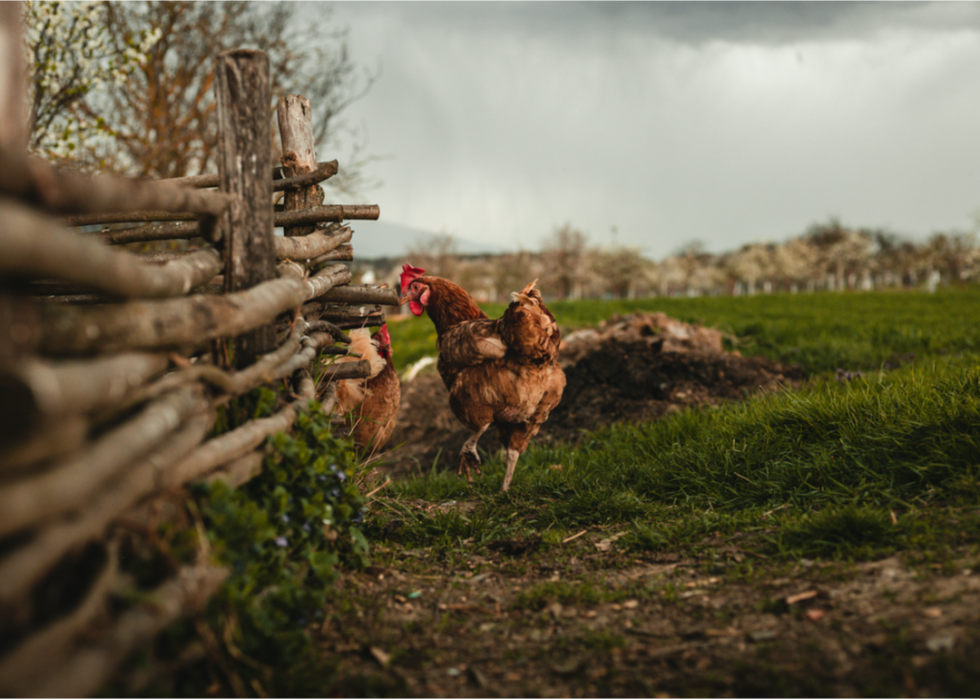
(583, 619)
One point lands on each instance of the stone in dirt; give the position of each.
(630, 368)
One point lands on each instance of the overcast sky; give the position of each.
(669, 122)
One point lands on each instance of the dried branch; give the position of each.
(25, 667)
(63, 192)
(92, 667)
(36, 391)
(323, 171)
(230, 446)
(338, 334)
(330, 212)
(345, 253)
(151, 232)
(21, 569)
(34, 246)
(239, 471)
(368, 294)
(316, 244)
(70, 485)
(191, 229)
(360, 369)
(345, 316)
(177, 322)
(56, 439)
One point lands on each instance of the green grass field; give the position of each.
(834, 463)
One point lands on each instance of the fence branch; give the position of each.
(93, 666)
(69, 486)
(323, 171)
(190, 321)
(316, 244)
(93, 199)
(344, 253)
(36, 391)
(25, 566)
(330, 212)
(34, 246)
(24, 668)
(366, 294)
(184, 230)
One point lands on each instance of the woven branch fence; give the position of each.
(113, 363)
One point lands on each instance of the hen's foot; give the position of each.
(469, 460)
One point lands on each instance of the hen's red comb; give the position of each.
(409, 275)
(385, 337)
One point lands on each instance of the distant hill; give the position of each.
(377, 239)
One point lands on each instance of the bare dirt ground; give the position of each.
(585, 620)
(634, 368)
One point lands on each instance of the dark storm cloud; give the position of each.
(669, 122)
(769, 23)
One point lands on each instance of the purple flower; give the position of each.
(285, 518)
(342, 476)
(281, 542)
(307, 528)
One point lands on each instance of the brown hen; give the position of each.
(499, 372)
(370, 405)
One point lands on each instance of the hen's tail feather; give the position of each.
(528, 294)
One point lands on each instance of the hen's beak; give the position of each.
(403, 300)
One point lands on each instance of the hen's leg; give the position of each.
(512, 456)
(468, 458)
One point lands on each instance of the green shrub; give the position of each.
(283, 535)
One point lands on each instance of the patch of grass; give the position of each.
(850, 530)
(891, 442)
(564, 593)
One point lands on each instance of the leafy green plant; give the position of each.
(283, 535)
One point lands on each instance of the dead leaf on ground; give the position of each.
(606, 544)
(932, 612)
(809, 594)
(815, 614)
(382, 657)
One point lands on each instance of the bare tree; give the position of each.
(437, 254)
(512, 272)
(620, 267)
(563, 253)
(161, 119)
(950, 253)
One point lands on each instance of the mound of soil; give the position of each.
(629, 369)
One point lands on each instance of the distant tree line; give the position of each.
(826, 257)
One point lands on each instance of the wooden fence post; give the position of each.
(244, 160)
(13, 129)
(298, 155)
